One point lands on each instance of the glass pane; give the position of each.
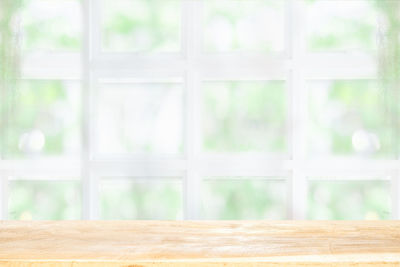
(141, 25)
(349, 200)
(341, 25)
(44, 200)
(241, 199)
(349, 118)
(142, 199)
(244, 116)
(51, 25)
(140, 118)
(43, 120)
(244, 25)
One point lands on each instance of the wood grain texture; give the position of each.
(199, 243)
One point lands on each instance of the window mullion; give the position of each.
(89, 182)
(191, 47)
(297, 93)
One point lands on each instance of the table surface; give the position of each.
(199, 243)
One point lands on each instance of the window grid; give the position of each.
(195, 68)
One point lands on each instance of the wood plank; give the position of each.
(199, 243)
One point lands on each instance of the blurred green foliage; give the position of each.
(349, 200)
(389, 67)
(227, 198)
(238, 116)
(44, 200)
(337, 30)
(145, 199)
(9, 62)
(45, 117)
(348, 119)
(141, 25)
(235, 25)
(51, 25)
(244, 116)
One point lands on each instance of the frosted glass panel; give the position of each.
(140, 118)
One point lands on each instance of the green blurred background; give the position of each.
(346, 118)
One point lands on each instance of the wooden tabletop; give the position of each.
(199, 243)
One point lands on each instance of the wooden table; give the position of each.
(190, 243)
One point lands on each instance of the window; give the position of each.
(201, 109)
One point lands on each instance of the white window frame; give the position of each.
(295, 66)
